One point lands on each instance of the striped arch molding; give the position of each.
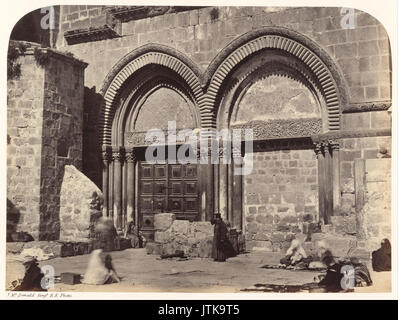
(205, 99)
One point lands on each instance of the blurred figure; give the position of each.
(100, 269)
(105, 233)
(381, 258)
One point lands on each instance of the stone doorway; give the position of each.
(166, 187)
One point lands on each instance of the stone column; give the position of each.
(201, 186)
(111, 187)
(209, 168)
(131, 160)
(321, 180)
(328, 182)
(216, 182)
(117, 156)
(237, 188)
(360, 196)
(106, 156)
(223, 177)
(335, 147)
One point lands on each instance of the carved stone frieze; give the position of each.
(282, 128)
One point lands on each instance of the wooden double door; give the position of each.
(166, 188)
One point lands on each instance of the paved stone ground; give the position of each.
(141, 272)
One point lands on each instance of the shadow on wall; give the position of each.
(91, 146)
(53, 175)
(13, 217)
(50, 190)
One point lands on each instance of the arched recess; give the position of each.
(144, 90)
(278, 54)
(136, 61)
(331, 84)
(135, 95)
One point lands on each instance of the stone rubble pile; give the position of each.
(194, 238)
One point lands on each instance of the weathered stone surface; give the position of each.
(81, 206)
(347, 204)
(194, 238)
(377, 208)
(163, 221)
(339, 245)
(344, 225)
(44, 128)
(282, 198)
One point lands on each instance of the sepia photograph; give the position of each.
(198, 149)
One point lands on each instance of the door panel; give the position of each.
(166, 188)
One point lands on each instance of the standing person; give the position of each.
(220, 239)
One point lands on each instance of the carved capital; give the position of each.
(106, 155)
(334, 144)
(118, 155)
(237, 152)
(131, 155)
(318, 147)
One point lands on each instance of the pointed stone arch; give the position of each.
(299, 46)
(135, 61)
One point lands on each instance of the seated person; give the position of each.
(333, 278)
(381, 258)
(137, 239)
(32, 280)
(294, 254)
(100, 269)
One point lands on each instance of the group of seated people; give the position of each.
(351, 270)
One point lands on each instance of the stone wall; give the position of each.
(357, 148)
(361, 53)
(377, 209)
(280, 196)
(24, 147)
(62, 136)
(44, 133)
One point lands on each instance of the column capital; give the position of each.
(334, 144)
(318, 147)
(130, 155)
(118, 154)
(106, 154)
(222, 151)
(237, 152)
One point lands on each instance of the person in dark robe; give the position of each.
(381, 258)
(332, 280)
(32, 280)
(361, 272)
(220, 239)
